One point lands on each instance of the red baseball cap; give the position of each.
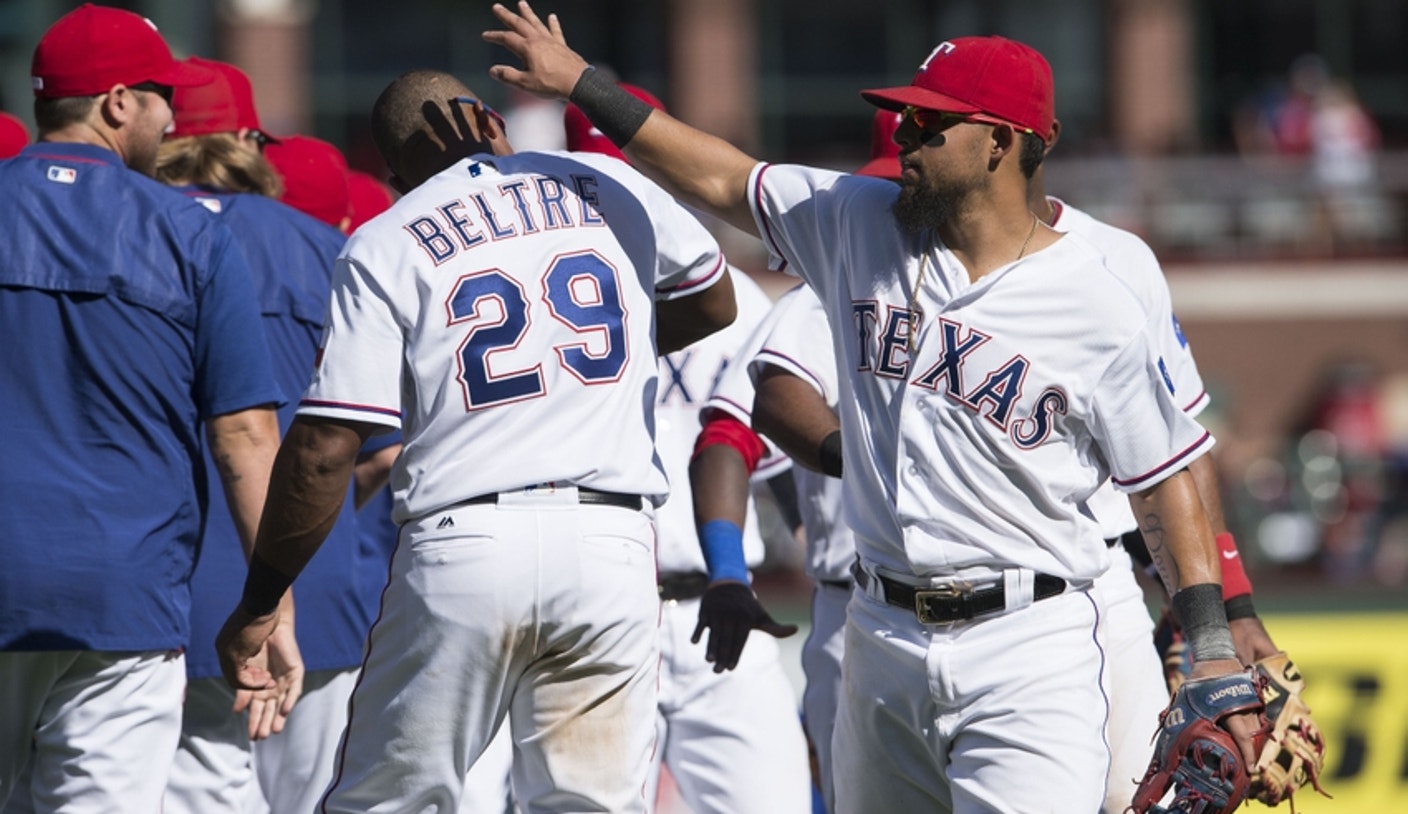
(92, 48)
(369, 197)
(584, 137)
(204, 109)
(315, 177)
(993, 76)
(884, 152)
(14, 136)
(223, 106)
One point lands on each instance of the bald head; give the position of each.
(421, 130)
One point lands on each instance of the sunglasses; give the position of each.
(164, 91)
(941, 120)
(493, 114)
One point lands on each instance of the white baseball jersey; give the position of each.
(434, 324)
(687, 377)
(733, 394)
(992, 409)
(798, 342)
(1134, 262)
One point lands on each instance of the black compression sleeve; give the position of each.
(1204, 620)
(830, 452)
(616, 113)
(263, 587)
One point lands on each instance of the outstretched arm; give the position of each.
(1180, 540)
(797, 418)
(309, 483)
(700, 169)
(725, 456)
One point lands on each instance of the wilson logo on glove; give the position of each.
(1195, 755)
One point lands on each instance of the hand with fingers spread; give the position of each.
(550, 67)
(730, 611)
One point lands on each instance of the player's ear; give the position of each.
(118, 106)
(1002, 142)
(1055, 135)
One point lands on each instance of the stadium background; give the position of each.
(1286, 250)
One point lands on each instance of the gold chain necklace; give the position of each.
(915, 315)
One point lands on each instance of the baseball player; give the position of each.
(504, 306)
(212, 157)
(995, 379)
(797, 393)
(731, 740)
(130, 324)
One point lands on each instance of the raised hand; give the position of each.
(550, 68)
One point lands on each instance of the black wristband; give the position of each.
(1204, 620)
(616, 113)
(264, 586)
(1240, 607)
(830, 454)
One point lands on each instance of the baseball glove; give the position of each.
(1294, 753)
(1195, 755)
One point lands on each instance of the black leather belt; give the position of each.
(682, 585)
(945, 604)
(585, 496)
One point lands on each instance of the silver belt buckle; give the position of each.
(950, 595)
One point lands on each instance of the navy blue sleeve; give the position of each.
(233, 370)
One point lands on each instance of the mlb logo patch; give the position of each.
(213, 204)
(63, 175)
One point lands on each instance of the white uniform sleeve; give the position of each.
(358, 372)
(689, 259)
(805, 215)
(1143, 434)
(1177, 367)
(800, 343)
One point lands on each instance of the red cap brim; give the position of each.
(184, 75)
(899, 98)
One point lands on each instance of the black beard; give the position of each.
(919, 208)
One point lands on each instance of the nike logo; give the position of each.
(1229, 555)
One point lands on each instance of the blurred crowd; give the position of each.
(1333, 501)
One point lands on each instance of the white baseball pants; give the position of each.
(538, 609)
(821, 662)
(1001, 714)
(732, 741)
(1138, 692)
(98, 730)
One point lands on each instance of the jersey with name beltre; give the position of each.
(502, 316)
(983, 415)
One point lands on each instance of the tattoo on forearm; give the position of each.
(225, 466)
(1155, 538)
